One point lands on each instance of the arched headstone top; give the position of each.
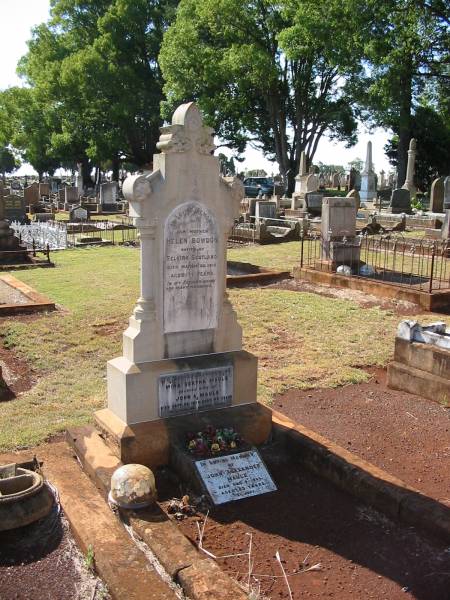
(188, 115)
(187, 132)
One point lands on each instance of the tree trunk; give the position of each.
(86, 172)
(115, 168)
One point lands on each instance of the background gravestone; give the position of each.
(44, 189)
(70, 195)
(78, 214)
(31, 194)
(266, 209)
(437, 195)
(15, 209)
(182, 351)
(447, 193)
(400, 201)
(109, 193)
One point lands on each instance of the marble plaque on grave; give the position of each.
(190, 269)
(194, 391)
(235, 476)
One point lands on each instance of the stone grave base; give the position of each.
(330, 266)
(435, 301)
(422, 369)
(134, 388)
(151, 443)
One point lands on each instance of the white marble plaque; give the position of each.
(235, 476)
(194, 391)
(190, 269)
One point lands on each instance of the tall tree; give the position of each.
(95, 65)
(408, 50)
(24, 125)
(432, 132)
(265, 72)
(8, 162)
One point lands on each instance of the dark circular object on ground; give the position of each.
(24, 497)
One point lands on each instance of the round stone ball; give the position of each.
(133, 486)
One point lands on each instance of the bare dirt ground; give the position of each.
(404, 434)
(17, 375)
(354, 551)
(42, 562)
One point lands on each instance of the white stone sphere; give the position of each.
(133, 486)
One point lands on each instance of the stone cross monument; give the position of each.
(182, 351)
(368, 192)
(409, 181)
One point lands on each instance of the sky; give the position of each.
(18, 17)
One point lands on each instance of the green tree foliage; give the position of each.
(266, 72)
(8, 162)
(408, 49)
(432, 132)
(24, 125)
(94, 65)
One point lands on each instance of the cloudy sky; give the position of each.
(19, 16)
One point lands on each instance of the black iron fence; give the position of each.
(101, 232)
(422, 264)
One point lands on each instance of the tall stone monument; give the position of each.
(368, 192)
(409, 181)
(182, 351)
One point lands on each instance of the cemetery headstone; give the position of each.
(447, 193)
(109, 193)
(265, 209)
(400, 201)
(437, 195)
(445, 231)
(78, 214)
(336, 181)
(10, 249)
(31, 194)
(44, 189)
(15, 209)
(355, 194)
(182, 351)
(44, 217)
(70, 195)
(338, 229)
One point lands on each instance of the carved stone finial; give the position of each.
(187, 132)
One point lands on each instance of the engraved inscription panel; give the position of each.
(194, 391)
(235, 476)
(190, 269)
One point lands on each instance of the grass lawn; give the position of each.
(302, 340)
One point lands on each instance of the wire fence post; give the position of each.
(301, 248)
(432, 268)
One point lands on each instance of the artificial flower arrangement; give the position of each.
(212, 442)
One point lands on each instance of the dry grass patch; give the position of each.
(302, 340)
